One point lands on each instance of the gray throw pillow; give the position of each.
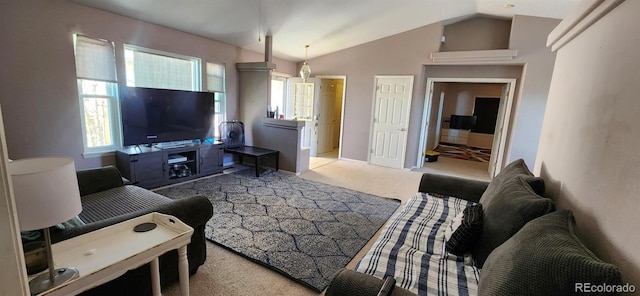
(513, 205)
(545, 257)
(514, 169)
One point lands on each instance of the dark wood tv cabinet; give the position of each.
(151, 167)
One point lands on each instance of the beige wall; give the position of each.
(478, 33)
(529, 34)
(38, 82)
(588, 151)
(385, 57)
(460, 97)
(401, 54)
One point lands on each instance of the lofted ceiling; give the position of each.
(326, 25)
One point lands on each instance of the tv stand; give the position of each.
(151, 167)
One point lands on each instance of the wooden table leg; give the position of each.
(183, 270)
(155, 277)
(257, 166)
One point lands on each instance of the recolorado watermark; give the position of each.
(604, 288)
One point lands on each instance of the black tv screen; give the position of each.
(462, 122)
(152, 115)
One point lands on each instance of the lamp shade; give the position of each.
(46, 191)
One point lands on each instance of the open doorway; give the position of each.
(467, 119)
(328, 124)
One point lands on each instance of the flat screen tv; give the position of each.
(152, 115)
(463, 122)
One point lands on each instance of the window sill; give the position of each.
(98, 154)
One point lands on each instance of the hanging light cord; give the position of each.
(259, 19)
(306, 49)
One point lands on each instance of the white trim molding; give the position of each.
(586, 14)
(474, 55)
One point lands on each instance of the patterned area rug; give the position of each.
(464, 152)
(303, 229)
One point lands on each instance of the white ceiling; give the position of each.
(326, 25)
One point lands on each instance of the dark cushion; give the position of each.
(546, 257)
(98, 179)
(463, 231)
(514, 204)
(514, 169)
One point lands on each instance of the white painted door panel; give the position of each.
(392, 105)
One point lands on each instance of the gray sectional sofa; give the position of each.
(107, 200)
(524, 246)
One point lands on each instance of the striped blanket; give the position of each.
(412, 249)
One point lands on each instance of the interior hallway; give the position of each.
(457, 167)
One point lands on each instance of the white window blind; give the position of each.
(149, 68)
(215, 77)
(95, 59)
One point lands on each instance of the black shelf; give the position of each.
(149, 167)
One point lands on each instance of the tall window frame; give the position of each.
(216, 83)
(97, 94)
(279, 93)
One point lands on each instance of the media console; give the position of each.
(151, 167)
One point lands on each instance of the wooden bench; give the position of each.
(259, 154)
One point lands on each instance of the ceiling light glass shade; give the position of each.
(305, 71)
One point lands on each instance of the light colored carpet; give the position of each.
(226, 273)
(457, 167)
(308, 230)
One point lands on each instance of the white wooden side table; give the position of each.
(105, 254)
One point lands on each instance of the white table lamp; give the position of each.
(46, 193)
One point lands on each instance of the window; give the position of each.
(303, 100)
(279, 93)
(216, 84)
(156, 69)
(97, 89)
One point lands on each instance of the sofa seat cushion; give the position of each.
(546, 257)
(411, 248)
(119, 201)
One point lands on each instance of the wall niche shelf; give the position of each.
(473, 56)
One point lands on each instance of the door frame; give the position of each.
(511, 84)
(344, 99)
(373, 111)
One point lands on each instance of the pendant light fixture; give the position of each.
(305, 71)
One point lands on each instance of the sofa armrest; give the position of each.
(194, 211)
(348, 283)
(466, 189)
(98, 179)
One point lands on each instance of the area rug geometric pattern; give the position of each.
(464, 152)
(303, 229)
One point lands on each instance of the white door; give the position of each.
(496, 152)
(326, 116)
(439, 122)
(392, 104)
(304, 106)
